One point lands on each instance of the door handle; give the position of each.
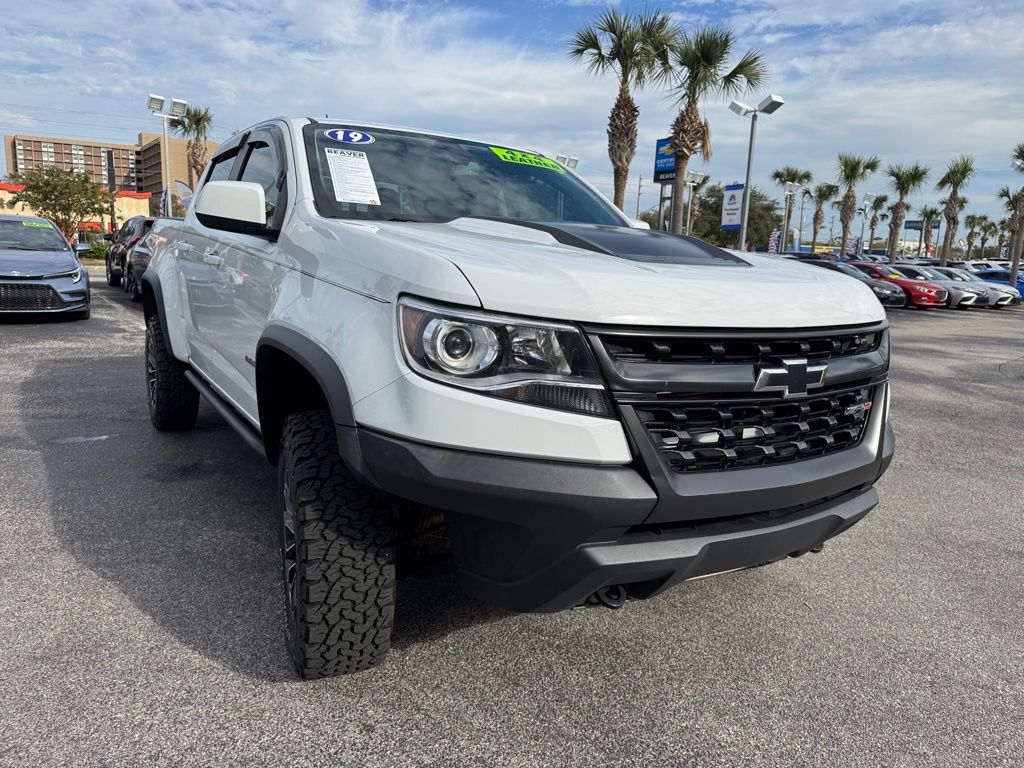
(211, 258)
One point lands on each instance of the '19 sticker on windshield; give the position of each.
(346, 136)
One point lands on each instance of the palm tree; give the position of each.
(958, 173)
(878, 214)
(1015, 249)
(700, 71)
(784, 177)
(973, 222)
(906, 180)
(821, 195)
(929, 214)
(852, 170)
(1003, 225)
(1013, 201)
(989, 229)
(195, 126)
(635, 49)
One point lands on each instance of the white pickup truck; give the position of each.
(440, 339)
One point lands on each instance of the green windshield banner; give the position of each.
(43, 224)
(525, 158)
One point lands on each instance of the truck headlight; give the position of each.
(529, 361)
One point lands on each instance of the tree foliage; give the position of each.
(958, 173)
(67, 198)
(195, 126)
(764, 217)
(702, 69)
(635, 49)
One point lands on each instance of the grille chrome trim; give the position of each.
(706, 434)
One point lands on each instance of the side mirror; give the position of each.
(638, 224)
(108, 236)
(81, 248)
(233, 206)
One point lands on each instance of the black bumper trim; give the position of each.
(533, 535)
(648, 564)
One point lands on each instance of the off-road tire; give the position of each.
(337, 555)
(173, 401)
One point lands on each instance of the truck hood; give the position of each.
(15, 263)
(623, 276)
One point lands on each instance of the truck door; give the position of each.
(243, 267)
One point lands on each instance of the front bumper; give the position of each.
(44, 295)
(534, 535)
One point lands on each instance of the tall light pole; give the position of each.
(768, 105)
(156, 105)
(639, 187)
(693, 178)
(800, 237)
(868, 199)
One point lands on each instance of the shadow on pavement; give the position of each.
(185, 524)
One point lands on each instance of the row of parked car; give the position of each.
(129, 254)
(922, 284)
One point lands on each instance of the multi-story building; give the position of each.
(106, 163)
(136, 167)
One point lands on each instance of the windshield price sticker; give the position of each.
(525, 158)
(41, 224)
(351, 176)
(346, 136)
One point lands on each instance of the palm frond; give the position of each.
(958, 173)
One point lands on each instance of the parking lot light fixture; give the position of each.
(156, 104)
(693, 178)
(791, 189)
(768, 105)
(868, 199)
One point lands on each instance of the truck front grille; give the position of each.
(705, 435)
(28, 298)
(669, 349)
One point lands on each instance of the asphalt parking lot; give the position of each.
(141, 614)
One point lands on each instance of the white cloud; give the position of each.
(909, 81)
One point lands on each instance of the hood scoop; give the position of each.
(640, 245)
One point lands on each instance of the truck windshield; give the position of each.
(30, 235)
(389, 175)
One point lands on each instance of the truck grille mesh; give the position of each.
(724, 350)
(28, 298)
(702, 435)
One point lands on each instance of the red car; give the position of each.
(919, 293)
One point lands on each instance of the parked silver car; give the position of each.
(961, 294)
(998, 296)
(39, 270)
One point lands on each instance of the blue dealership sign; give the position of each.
(918, 224)
(664, 161)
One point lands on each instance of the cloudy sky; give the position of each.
(909, 81)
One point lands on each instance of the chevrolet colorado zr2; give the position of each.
(439, 339)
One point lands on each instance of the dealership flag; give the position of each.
(775, 241)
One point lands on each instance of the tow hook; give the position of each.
(611, 597)
(815, 549)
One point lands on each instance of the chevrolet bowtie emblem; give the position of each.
(793, 379)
